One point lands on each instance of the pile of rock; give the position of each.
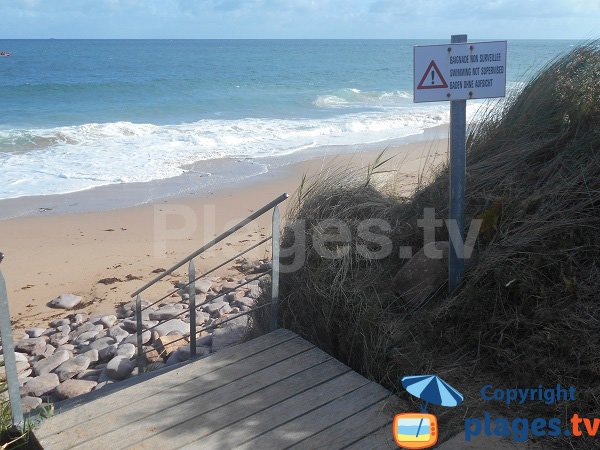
(81, 353)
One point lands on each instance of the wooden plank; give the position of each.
(151, 396)
(378, 440)
(116, 400)
(349, 430)
(319, 419)
(243, 430)
(168, 420)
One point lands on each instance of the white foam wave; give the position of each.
(67, 159)
(355, 98)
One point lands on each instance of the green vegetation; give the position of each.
(528, 311)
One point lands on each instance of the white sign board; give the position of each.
(459, 71)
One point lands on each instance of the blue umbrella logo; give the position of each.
(431, 389)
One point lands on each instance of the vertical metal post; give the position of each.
(458, 129)
(10, 363)
(141, 358)
(192, 303)
(275, 232)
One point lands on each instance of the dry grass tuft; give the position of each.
(528, 311)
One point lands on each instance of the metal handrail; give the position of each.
(215, 241)
(258, 244)
(192, 306)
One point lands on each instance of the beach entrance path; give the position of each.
(275, 391)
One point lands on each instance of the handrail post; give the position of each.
(192, 303)
(139, 332)
(275, 232)
(10, 363)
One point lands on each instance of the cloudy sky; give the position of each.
(543, 19)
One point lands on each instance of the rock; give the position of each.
(202, 317)
(65, 301)
(254, 290)
(80, 318)
(60, 322)
(102, 343)
(58, 339)
(85, 337)
(72, 367)
(119, 367)
(49, 350)
(41, 385)
(204, 341)
(35, 332)
(73, 388)
(33, 346)
(89, 374)
(29, 403)
(203, 285)
(108, 321)
(233, 296)
(22, 368)
(68, 347)
(245, 301)
(164, 313)
(132, 339)
(230, 333)
(127, 350)
(64, 329)
(131, 324)
(165, 345)
(422, 275)
(213, 308)
(107, 352)
(47, 365)
(152, 355)
(24, 374)
(118, 333)
(18, 357)
(172, 325)
(93, 355)
(228, 285)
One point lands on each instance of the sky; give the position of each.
(310, 19)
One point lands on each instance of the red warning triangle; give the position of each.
(432, 79)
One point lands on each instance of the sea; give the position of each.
(79, 114)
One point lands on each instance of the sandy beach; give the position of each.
(50, 253)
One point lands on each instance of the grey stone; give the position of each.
(41, 385)
(73, 388)
(119, 367)
(18, 357)
(33, 346)
(60, 338)
(231, 333)
(164, 313)
(49, 350)
(202, 317)
(213, 308)
(22, 367)
(172, 325)
(245, 301)
(60, 322)
(64, 329)
(107, 352)
(65, 301)
(35, 332)
(101, 343)
(68, 347)
(131, 324)
(91, 374)
(85, 337)
(47, 365)
(254, 291)
(203, 285)
(80, 318)
(108, 321)
(29, 403)
(132, 339)
(93, 355)
(127, 350)
(118, 333)
(72, 367)
(155, 366)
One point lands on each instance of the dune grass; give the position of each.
(527, 313)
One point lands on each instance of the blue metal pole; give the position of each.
(458, 130)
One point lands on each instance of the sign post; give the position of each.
(457, 72)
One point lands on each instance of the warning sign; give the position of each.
(459, 71)
(437, 80)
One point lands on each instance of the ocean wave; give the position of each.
(355, 98)
(66, 159)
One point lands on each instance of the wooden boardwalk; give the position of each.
(276, 391)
